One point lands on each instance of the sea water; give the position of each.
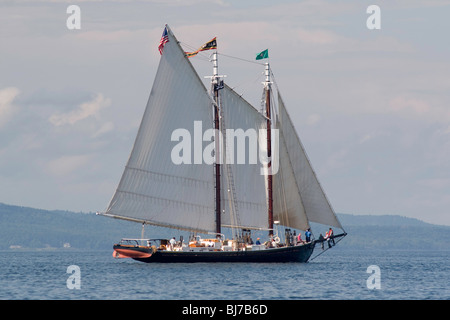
(337, 274)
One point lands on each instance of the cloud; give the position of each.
(373, 135)
(409, 105)
(106, 127)
(258, 31)
(317, 36)
(84, 110)
(7, 96)
(65, 165)
(107, 36)
(431, 109)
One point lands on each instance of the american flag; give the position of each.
(163, 41)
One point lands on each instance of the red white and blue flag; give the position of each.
(163, 41)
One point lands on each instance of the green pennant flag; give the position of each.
(263, 55)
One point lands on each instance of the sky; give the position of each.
(371, 106)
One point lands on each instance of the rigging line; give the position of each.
(282, 188)
(318, 254)
(231, 190)
(222, 54)
(199, 55)
(272, 77)
(337, 241)
(237, 58)
(188, 46)
(244, 85)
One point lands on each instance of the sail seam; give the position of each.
(293, 173)
(282, 195)
(165, 225)
(168, 176)
(171, 201)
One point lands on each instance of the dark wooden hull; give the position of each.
(284, 254)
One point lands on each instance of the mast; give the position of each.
(216, 86)
(269, 150)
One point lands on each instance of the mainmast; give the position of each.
(269, 150)
(216, 86)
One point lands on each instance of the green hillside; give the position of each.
(23, 227)
(35, 228)
(392, 232)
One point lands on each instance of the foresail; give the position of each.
(247, 207)
(302, 197)
(287, 203)
(154, 189)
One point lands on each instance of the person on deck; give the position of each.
(331, 235)
(321, 239)
(299, 238)
(308, 235)
(330, 238)
(172, 243)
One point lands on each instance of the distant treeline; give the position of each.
(29, 228)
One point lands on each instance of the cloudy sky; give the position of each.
(372, 107)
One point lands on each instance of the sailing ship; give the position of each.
(202, 188)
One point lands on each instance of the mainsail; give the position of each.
(155, 190)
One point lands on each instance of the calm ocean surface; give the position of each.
(337, 274)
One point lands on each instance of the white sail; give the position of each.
(242, 122)
(153, 189)
(157, 189)
(302, 197)
(287, 203)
